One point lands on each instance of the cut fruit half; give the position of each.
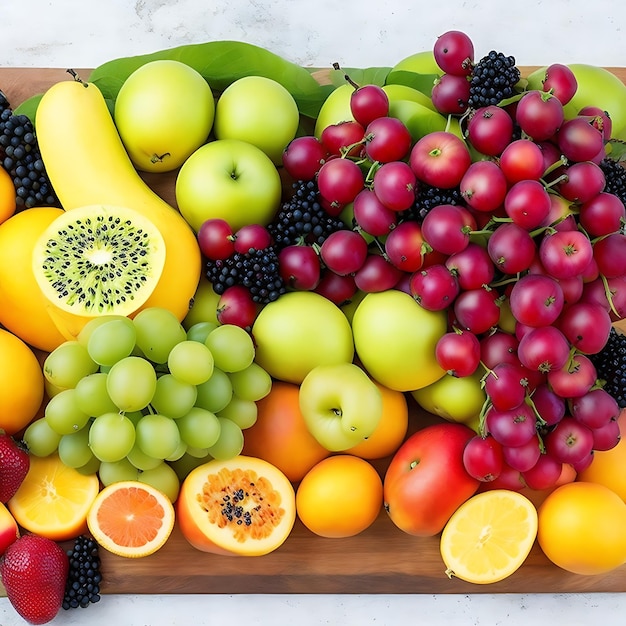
(131, 519)
(99, 259)
(489, 536)
(53, 499)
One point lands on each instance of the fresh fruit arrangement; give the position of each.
(329, 255)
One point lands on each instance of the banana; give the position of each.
(87, 164)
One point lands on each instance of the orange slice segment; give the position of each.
(53, 500)
(131, 519)
(489, 536)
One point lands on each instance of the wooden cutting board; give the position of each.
(382, 559)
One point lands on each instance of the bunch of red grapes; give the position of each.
(526, 253)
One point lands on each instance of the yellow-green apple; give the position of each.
(426, 480)
(395, 339)
(164, 111)
(418, 118)
(335, 109)
(9, 530)
(340, 404)
(422, 62)
(397, 91)
(229, 179)
(453, 398)
(299, 331)
(258, 110)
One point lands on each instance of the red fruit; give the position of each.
(236, 306)
(14, 464)
(34, 570)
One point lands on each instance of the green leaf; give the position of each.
(421, 82)
(366, 76)
(29, 107)
(221, 63)
(616, 150)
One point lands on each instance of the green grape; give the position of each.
(157, 435)
(191, 362)
(116, 471)
(63, 415)
(134, 416)
(92, 396)
(232, 347)
(91, 467)
(200, 331)
(163, 478)
(74, 450)
(92, 324)
(178, 453)
(230, 442)
(67, 364)
(158, 331)
(251, 383)
(241, 411)
(50, 389)
(197, 453)
(199, 428)
(215, 393)
(131, 383)
(40, 439)
(111, 437)
(173, 397)
(112, 341)
(141, 460)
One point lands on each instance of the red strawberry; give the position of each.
(14, 464)
(33, 571)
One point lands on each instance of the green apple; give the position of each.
(404, 92)
(395, 340)
(260, 111)
(299, 331)
(335, 109)
(455, 399)
(230, 179)
(164, 111)
(419, 119)
(422, 62)
(340, 404)
(204, 305)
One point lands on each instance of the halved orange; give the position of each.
(489, 536)
(53, 499)
(131, 519)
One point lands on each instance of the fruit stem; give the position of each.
(347, 78)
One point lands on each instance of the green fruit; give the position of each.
(421, 63)
(335, 109)
(419, 119)
(98, 260)
(404, 92)
(163, 112)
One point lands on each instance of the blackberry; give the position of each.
(302, 218)
(615, 175)
(610, 364)
(82, 587)
(492, 80)
(257, 270)
(21, 158)
(4, 103)
(429, 196)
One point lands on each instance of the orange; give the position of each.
(280, 435)
(391, 429)
(21, 383)
(581, 528)
(131, 519)
(7, 196)
(341, 496)
(53, 499)
(489, 536)
(607, 467)
(22, 305)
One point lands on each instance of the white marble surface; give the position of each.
(357, 33)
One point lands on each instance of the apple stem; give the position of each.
(347, 78)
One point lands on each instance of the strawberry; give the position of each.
(33, 571)
(14, 464)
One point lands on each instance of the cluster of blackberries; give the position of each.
(492, 80)
(610, 365)
(82, 587)
(615, 175)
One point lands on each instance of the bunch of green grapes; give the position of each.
(130, 397)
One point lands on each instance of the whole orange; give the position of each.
(280, 434)
(607, 467)
(341, 496)
(581, 528)
(391, 429)
(21, 383)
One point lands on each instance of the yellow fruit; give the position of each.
(131, 519)
(489, 536)
(21, 383)
(74, 126)
(581, 528)
(22, 305)
(53, 500)
(7, 196)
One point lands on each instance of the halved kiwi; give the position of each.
(99, 260)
